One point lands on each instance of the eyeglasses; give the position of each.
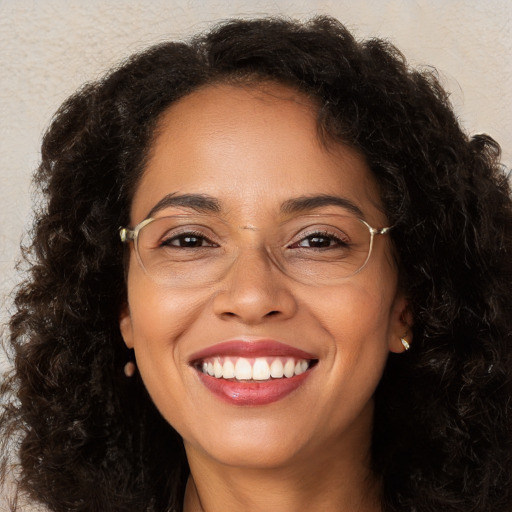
(199, 250)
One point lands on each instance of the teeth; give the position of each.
(298, 369)
(260, 369)
(217, 368)
(243, 369)
(289, 368)
(276, 369)
(301, 367)
(228, 369)
(257, 369)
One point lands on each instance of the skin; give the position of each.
(252, 149)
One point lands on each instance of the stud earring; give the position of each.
(129, 369)
(405, 343)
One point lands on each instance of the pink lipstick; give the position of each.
(255, 372)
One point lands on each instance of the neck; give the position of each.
(328, 483)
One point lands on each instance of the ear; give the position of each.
(401, 324)
(125, 325)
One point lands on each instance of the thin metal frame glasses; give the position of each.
(198, 250)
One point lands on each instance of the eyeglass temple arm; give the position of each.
(126, 234)
(381, 231)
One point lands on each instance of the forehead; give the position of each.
(251, 147)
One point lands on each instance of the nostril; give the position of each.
(253, 304)
(231, 314)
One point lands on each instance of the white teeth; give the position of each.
(228, 369)
(243, 369)
(298, 369)
(260, 369)
(257, 369)
(276, 369)
(217, 368)
(289, 368)
(301, 367)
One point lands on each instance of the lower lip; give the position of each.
(254, 392)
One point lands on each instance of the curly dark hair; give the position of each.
(91, 440)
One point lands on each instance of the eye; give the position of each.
(319, 240)
(188, 240)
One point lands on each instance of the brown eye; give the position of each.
(316, 241)
(188, 241)
(319, 241)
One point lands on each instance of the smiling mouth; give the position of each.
(256, 369)
(252, 372)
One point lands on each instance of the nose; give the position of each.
(254, 291)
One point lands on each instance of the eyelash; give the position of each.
(192, 234)
(320, 234)
(209, 243)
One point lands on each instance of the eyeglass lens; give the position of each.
(197, 250)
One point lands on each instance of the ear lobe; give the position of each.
(401, 328)
(125, 326)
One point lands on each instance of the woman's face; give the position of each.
(236, 163)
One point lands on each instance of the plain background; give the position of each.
(48, 48)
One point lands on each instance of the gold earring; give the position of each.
(129, 369)
(405, 343)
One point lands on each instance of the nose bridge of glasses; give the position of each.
(255, 255)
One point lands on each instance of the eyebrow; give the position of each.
(199, 202)
(305, 203)
(203, 203)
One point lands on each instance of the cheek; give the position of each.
(355, 310)
(159, 313)
(358, 321)
(159, 318)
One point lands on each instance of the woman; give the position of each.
(272, 273)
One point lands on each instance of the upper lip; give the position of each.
(251, 348)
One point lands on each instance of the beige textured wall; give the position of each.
(49, 47)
